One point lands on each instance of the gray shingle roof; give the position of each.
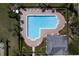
(56, 44)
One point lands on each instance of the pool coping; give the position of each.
(44, 32)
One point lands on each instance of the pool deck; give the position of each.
(44, 32)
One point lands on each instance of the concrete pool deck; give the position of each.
(44, 32)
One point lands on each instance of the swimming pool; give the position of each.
(34, 24)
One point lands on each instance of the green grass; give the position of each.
(59, 5)
(63, 31)
(7, 26)
(41, 49)
(26, 49)
(37, 5)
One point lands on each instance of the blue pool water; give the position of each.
(35, 23)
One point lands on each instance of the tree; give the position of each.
(74, 45)
(12, 14)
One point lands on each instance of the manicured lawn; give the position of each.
(7, 26)
(43, 5)
(63, 31)
(59, 5)
(26, 50)
(41, 49)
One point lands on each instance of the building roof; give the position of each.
(56, 44)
